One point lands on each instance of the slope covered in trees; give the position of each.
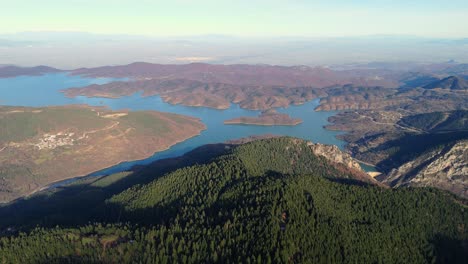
(262, 202)
(438, 121)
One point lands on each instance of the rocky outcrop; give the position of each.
(334, 154)
(343, 162)
(445, 168)
(330, 152)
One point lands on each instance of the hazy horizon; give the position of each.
(70, 50)
(85, 33)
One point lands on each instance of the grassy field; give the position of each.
(17, 124)
(42, 145)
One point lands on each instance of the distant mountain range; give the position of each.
(80, 49)
(241, 74)
(450, 83)
(12, 71)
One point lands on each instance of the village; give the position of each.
(52, 141)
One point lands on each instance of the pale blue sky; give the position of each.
(312, 18)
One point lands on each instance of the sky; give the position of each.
(249, 18)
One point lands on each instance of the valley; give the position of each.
(407, 149)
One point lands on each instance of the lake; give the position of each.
(36, 91)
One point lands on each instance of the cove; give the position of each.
(36, 91)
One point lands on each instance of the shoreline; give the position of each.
(259, 124)
(366, 163)
(60, 182)
(67, 94)
(373, 173)
(88, 174)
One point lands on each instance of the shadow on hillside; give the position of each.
(408, 147)
(67, 259)
(450, 250)
(81, 203)
(84, 202)
(350, 182)
(167, 212)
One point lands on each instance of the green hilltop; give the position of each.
(267, 201)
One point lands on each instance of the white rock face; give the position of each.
(445, 168)
(334, 154)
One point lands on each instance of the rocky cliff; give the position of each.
(334, 154)
(445, 168)
(330, 152)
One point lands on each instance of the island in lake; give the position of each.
(50, 144)
(266, 118)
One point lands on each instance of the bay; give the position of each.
(44, 90)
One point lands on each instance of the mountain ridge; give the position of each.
(301, 207)
(8, 71)
(449, 83)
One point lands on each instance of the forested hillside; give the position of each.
(275, 191)
(438, 121)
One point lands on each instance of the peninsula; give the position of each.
(39, 146)
(266, 118)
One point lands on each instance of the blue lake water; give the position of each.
(45, 91)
